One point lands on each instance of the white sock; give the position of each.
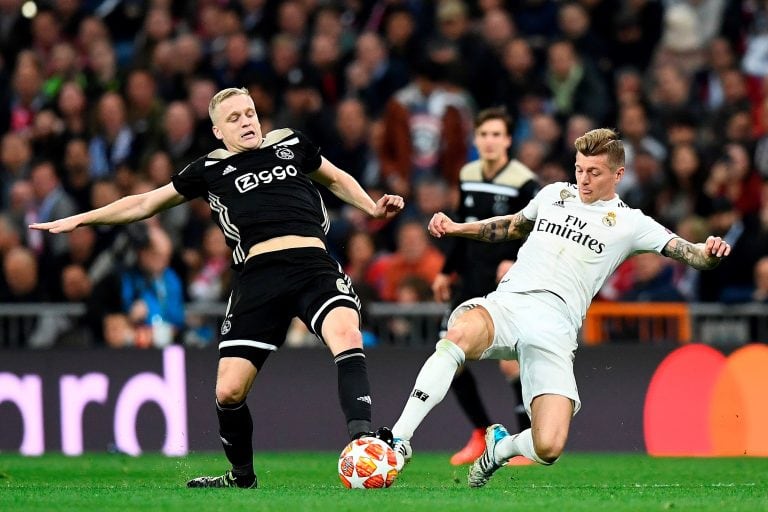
(430, 388)
(518, 444)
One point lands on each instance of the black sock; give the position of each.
(465, 389)
(354, 391)
(236, 431)
(522, 417)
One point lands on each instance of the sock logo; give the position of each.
(224, 441)
(366, 399)
(417, 393)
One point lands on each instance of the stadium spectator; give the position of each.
(152, 292)
(72, 106)
(536, 311)
(303, 108)
(683, 193)
(760, 293)
(732, 281)
(54, 330)
(633, 123)
(424, 134)
(114, 140)
(26, 98)
(15, 161)
(237, 67)
(575, 86)
(144, 110)
(326, 68)
(649, 180)
(290, 254)
(201, 90)
(519, 75)
(364, 264)
(373, 76)
(652, 280)
(50, 202)
(414, 256)
(20, 285)
(734, 178)
(102, 71)
(400, 36)
(476, 57)
(157, 27)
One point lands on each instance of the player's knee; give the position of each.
(464, 337)
(344, 337)
(228, 393)
(548, 448)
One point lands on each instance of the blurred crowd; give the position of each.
(99, 99)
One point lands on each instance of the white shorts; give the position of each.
(535, 329)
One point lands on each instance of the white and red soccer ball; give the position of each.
(367, 463)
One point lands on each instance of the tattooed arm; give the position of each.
(494, 229)
(699, 256)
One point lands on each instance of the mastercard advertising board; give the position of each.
(701, 402)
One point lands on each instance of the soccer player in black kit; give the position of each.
(262, 195)
(492, 185)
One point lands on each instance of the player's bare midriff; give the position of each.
(280, 243)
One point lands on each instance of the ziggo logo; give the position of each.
(702, 403)
(251, 180)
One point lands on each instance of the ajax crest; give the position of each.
(283, 153)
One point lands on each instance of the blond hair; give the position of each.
(602, 141)
(221, 96)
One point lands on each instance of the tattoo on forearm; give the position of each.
(495, 230)
(523, 226)
(690, 254)
(505, 228)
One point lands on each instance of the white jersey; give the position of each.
(575, 246)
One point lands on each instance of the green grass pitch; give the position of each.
(308, 482)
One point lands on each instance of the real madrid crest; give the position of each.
(565, 194)
(283, 153)
(610, 219)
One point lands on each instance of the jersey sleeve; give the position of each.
(189, 181)
(650, 236)
(531, 211)
(310, 153)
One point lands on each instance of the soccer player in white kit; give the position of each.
(577, 236)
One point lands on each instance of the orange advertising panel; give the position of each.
(700, 402)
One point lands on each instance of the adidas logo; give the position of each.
(561, 204)
(228, 169)
(224, 441)
(366, 399)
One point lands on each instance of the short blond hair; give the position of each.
(221, 96)
(602, 141)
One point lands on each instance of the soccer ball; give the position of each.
(367, 463)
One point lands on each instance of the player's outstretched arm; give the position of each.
(699, 256)
(494, 229)
(123, 211)
(346, 188)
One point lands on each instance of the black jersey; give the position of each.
(261, 193)
(507, 193)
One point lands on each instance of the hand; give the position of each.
(388, 206)
(441, 288)
(440, 225)
(64, 225)
(716, 246)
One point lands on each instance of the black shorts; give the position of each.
(273, 288)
